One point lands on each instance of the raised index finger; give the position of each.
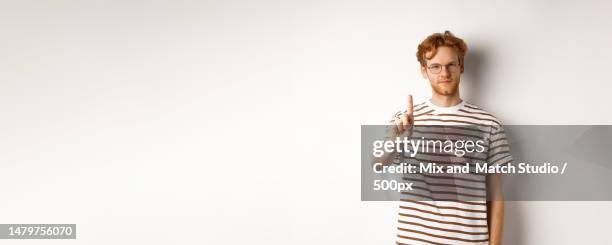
(409, 109)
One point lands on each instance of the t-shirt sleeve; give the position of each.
(499, 149)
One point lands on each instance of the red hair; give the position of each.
(436, 40)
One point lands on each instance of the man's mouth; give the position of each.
(446, 81)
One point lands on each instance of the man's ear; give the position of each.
(424, 72)
(461, 67)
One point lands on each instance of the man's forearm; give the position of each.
(495, 209)
(496, 221)
(386, 159)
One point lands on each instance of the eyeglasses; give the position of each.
(437, 68)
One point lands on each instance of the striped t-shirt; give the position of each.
(426, 214)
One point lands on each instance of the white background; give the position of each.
(238, 122)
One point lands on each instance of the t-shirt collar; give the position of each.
(442, 109)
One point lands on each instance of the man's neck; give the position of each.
(445, 100)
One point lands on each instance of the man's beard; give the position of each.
(445, 90)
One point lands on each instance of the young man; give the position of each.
(434, 221)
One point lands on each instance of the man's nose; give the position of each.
(445, 72)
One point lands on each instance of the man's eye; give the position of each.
(435, 67)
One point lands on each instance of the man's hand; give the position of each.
(400, 127)
(403, 123)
